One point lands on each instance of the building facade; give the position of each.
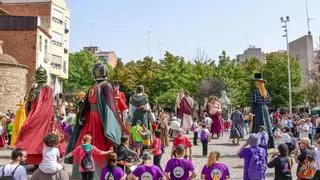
(54, 19)
(302, 50)
(106, 57)
(27, 42)
(13, 78)
(251, 52)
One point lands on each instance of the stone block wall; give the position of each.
(13, 86)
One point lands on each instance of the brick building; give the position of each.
(26, 41)
(106, 57)
(54, 18)
(13, 81)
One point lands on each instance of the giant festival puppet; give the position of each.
(139, 107)
(185, 111)
(121, 101)
(213, 108)
(40, 120)
(260, 101)
(99, 118)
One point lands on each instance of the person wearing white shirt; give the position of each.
(14, 169)
(50, 155)
(304, 129)
(207, 120)
(310, 133)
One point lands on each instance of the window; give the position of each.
(40, 43)
(46, 46)
(57, 38)
(57, 16)
(56, 61)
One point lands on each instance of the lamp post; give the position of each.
(285, 26)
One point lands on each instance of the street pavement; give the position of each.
(223, 145)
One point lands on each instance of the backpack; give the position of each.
(11, 176)
(257, 165)
(203, 135)
(309, 166)
(86, 162)
(193, 128)
(263, 142)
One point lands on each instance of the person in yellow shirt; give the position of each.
(19, 119)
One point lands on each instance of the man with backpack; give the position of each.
(14, 170)
(307, 165)
(254, 159)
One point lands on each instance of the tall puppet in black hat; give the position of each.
(260, 100)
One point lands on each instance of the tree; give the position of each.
(276, 76)
(80, 76)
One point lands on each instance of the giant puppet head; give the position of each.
(260, 85)
(99, 72)
(41, 76)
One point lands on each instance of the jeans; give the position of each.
(310, 137)
(195, 138)
(157, 160)
(204, 147)
(87, 175)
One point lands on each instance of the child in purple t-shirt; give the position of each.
(215, 170)
(111, 171)
(147, 170)
(179, 168)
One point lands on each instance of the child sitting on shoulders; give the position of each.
(50, 155)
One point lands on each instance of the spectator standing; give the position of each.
(81, 153)
(317, 153)
(147, 170)
(195, 129)
(137, 132)
(178, 168)
(156, 149)
(306, 160)
(111, 171)
(282, 163)
(254, 159)
(205, 138)
(185, 141)
(14, 169)
(303, 129)
(215, 170)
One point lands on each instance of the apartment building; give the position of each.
(54, 19)
(106, 57)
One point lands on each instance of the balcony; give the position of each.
(66, 50)
(66, 30)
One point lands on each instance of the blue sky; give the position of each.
(182, 26)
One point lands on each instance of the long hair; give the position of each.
(261, 88)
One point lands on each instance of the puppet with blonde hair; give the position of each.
(260, 101)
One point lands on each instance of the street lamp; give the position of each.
(285, 26)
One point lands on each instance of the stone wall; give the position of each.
(13, 86)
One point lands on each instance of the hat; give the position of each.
(258, 77)
(253, 140)
(146, 156)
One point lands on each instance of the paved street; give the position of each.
(223, 145)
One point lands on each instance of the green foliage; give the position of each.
(276, 76)
(163, 79)
(80, 77)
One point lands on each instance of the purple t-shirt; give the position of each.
(246, 155)
(144, 172)
(116, 173)
(219, 170)
(179, 168)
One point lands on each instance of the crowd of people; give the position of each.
(108, 138)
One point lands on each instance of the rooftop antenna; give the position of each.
(246, 40)
(91, 31)
(149, 45)
(308, 18)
